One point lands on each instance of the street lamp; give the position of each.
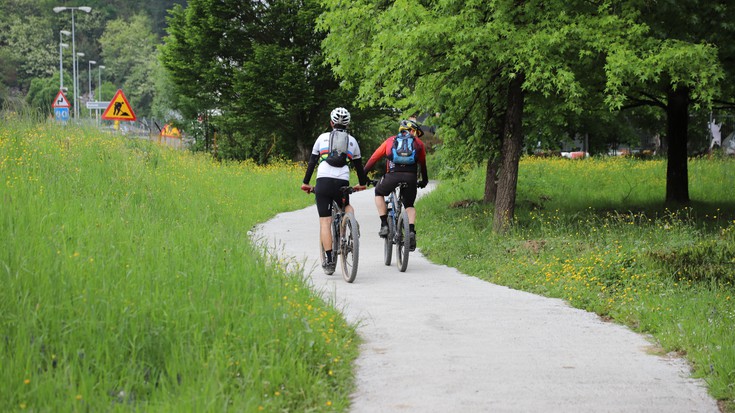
(61, 59)
(99, 92)
(99, 82)
(73, 46)
(89, 76)
(77, 90)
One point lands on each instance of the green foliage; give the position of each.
(258, 68)
(129, 53)
(130, 283)
(706, 261)
(23, 27)
(29, 45)
(457, 57)
(669, 64)
(595, 233)
(42, 93)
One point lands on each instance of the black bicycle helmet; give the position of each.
(408, 124)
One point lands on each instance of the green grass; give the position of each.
(129, 283)
(597, 234)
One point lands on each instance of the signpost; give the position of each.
(61, 107)
(97, 105)
(61, 114)
(119, 108)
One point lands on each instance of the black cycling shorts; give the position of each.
(326, 191)
(390, 181)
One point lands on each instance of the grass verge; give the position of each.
(596, 233)
(129, 283)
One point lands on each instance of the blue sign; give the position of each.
(61, 114)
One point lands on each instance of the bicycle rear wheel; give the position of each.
(349, 247)
(388, 242)
(403, 242)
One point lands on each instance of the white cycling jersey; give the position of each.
(325, 170)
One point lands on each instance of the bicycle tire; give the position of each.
(349, 247)
(388, 242)
(403, 242)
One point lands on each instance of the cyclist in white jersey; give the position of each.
(333, 172)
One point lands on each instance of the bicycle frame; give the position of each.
(398, 229)
(345, 238)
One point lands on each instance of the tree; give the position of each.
(29, 37)
(23, 37)
(676, 68)
(475, 62)
(257, 66)
(129, 52)
(41, 94)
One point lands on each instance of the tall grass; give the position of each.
(597, 234)
(128, 283)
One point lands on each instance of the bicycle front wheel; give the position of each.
(349, 247)
(403, 242)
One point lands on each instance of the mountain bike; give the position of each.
(398, 230)
(345, 239)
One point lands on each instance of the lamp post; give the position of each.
(73, 47)
(61, 57)
(99, 82)
(89, 76)
(99, 92)
(77, 90)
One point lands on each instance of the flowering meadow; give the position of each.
(596, 233)
(129, 283)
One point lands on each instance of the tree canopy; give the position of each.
(29, 48)
(484, 65)
(258, 66)
(263, 76)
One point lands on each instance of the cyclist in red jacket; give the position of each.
(404, 152)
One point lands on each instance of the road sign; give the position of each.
(97, 105)
(61, 101)
(119, 108)
(61, 114)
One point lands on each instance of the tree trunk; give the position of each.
(491, 180)
(511, 155)
(677, 123)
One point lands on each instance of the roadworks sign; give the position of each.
(119, 108)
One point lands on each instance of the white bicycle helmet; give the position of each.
(340, 116)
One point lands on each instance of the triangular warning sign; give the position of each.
(61, 101)
(119, 108)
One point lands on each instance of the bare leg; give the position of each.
(325, 232)
(380, 204)
(411, 212)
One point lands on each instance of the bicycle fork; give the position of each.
(335, 235)
(391, 219)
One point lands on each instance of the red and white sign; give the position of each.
(61, 101)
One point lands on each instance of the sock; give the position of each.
(329, 256)
(384, 220)
(412, 227)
